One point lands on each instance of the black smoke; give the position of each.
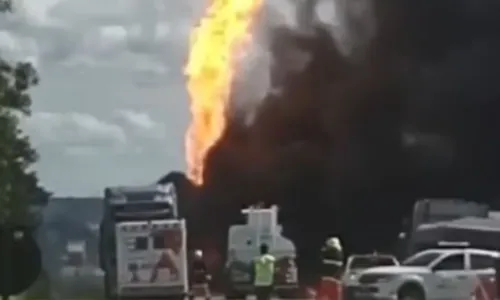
(349, 144)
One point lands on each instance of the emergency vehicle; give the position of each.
(359, 262)
(443, 273)
(143, 244)
(243, 246)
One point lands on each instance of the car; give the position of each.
(359, 262)
(452, 273)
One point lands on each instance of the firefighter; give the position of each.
(332, 264)
(263, 273)
(332, 257)
(199, 276)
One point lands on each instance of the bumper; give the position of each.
(248, 288)
(356, 293)
(151, 292)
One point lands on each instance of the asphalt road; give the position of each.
(222, 298)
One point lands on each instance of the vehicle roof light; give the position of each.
(451, 244)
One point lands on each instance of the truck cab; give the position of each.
(75, 256)
(243, 246)
(143, 243)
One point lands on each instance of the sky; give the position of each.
(111, 107)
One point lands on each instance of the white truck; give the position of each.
(143, 244)
(243, 246)
(444, 274)
(75, 256)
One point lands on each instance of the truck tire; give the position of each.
(411, 291)
(107, 288)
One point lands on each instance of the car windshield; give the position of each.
(421, 260)
(365, 262)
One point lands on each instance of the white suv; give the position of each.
(432, 274)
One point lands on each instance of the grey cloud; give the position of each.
(73, 129)
(138, 119)
(111, 107)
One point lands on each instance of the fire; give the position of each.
(214, 47)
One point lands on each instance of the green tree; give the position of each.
(5, 5)
(18, 182)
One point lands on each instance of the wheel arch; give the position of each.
(413, 285)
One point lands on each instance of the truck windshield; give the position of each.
(140, 196)
(365, 262)
(142, 210)
(421, 260)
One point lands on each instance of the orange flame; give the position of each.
(215, 43)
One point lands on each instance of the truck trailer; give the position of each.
(142, 247)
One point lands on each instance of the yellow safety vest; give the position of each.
(264, 270)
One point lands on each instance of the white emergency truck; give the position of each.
(445, 274)
(75, 257)
(243, 246)
(143, 244)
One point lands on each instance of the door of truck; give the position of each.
(152, 258)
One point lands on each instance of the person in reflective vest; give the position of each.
(263, 273)
(332, 264)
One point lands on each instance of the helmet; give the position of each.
(198, 253)
(333, 242)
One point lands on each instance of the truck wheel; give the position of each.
(107, 289)
(411, 292)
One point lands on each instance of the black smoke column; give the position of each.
(347, 145)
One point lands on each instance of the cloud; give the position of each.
(81, 154)
(111, 107)
(142, 123)
(78, 32)
(74, 129)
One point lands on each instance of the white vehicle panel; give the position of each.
(397, 270)
(438, 284)
(151, 256)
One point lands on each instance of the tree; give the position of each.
(5, 5)
(18, 182)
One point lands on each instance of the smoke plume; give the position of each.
(397, 99)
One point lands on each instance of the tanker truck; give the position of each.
(243, 245)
